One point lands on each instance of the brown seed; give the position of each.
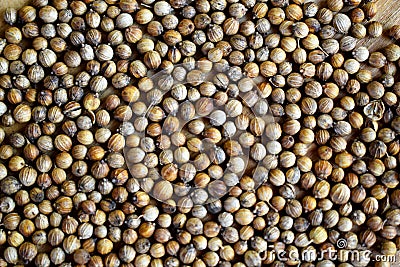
(163, 190)
(357, 15)
(335, 5)
(244, 216)
(294, 12)
(375, 29)
(340, 193)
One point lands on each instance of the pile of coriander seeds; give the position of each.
(198, 133)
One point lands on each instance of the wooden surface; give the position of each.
(9, 3)
(389, 15)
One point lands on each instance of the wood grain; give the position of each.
(388, 14)
(9, 3)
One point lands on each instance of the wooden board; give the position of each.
(9, 3)
(389, 15)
